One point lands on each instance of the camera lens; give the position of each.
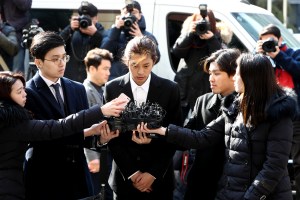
(202, 27)
(84, 23)
(128, 22)
(269, 45)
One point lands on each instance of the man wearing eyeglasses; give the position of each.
(55, 169)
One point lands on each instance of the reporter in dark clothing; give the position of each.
(207, 167)
(194, 48)
(256, 128)
(17, 128)
(80, 40)
(286, 63)
(119, 36)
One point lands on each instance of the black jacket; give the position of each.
(192, 80)
(17, 129)
(78, 44)
(155, 157)
(116, 42)
(207, 167)
(256, 158)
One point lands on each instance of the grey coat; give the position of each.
(93, 95)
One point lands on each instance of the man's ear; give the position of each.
(38, 62)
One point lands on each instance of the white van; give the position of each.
(164, 19)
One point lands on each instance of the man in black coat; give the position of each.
(55, 169)
(206, 169)
(80, 37)
(143, 171)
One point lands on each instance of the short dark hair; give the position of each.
(225, 58)
(43, 42)
(95, 56)
(91, 10)
(270, 29)
(141, 45)
(7, 79)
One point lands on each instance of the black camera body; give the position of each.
(203, 26)
(84, 19)
(270, 45)
(130, 19)
(29, 33)
(150, 113)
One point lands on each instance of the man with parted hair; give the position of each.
(55, 169)
(97, 64)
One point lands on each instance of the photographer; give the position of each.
(8, 45)
(83, 34)
(286, 63)
(129, 24)
(199, 38)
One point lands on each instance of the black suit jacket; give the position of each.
(154, 158)
(56, 169)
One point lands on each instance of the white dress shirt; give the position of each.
(50, 83)
(140, 92)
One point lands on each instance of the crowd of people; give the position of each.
(232, 116)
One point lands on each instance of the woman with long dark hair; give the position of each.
(256, 127)
(17, 129)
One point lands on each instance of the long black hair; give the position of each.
(260, 86)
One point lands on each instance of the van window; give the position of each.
(174, 23)
(253, 24)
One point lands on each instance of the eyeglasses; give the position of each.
(57, 61)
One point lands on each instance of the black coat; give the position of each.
(16, 130)
(156, 157)
(116, 42)
(256, 159)
(57, 169)
(207, 167)
(78, 44)
(192, 80)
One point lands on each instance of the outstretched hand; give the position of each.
(94, 129)
(144, 129)
(140, 137)
(113, 108)
(106, 135)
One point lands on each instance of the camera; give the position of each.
(130, 19)
(84, 19)
(269, 45)
(150, 113)
(203, 26)
(29, 32)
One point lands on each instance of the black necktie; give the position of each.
(59, 98)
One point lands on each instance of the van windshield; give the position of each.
(253, 23)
